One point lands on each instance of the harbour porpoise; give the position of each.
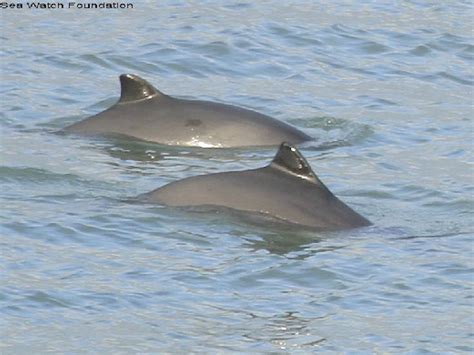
(145, 113)
(287, 190)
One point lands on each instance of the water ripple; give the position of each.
(384, 88)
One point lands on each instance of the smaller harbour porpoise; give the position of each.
(145, 113)
(287, 190)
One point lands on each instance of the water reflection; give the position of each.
(262, 232)
(327, 133)
(284, 243)
(125, 148)
(128, 149)
(287, 331)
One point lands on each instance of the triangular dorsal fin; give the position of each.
(134, 88)
(289, 160)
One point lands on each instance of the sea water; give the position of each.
(386, 90)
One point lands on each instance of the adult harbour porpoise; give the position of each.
(145, 113)
(287, 190)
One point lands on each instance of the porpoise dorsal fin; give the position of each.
(289, 160)
(134, 88)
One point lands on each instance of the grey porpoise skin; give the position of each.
(287, 189)
(145, 113)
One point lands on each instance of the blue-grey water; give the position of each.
(386, 89)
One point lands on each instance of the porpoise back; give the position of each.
(287, 189)
(145, 113)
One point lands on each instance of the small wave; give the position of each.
(455, 78)
(421, 51)
(34, 175)
(331, 132)
(41, 299)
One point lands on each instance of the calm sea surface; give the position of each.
(386, 90)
